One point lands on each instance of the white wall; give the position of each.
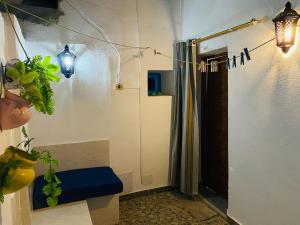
(9, 49)
(88, 107)
(264, 106)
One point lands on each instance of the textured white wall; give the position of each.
(87, 106)
(264, 110)
(9, 49)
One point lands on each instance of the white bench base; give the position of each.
(96, 211)
(104, 210)
(76, 213)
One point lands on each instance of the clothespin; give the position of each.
(234, 62)
(199, 67)
(247, 54)
(156, 52)
(228, 64)
(202, 67)
(214, 66)
(242, 58)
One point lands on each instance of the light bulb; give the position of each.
(288, 34)
(68, 62)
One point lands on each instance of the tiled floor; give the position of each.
(167, 208)
(215, 199)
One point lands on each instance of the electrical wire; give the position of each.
(104, 35)
(156, 52)
(16, 33)
(48, 22)
(140, 98)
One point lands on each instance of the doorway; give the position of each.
(213, 105)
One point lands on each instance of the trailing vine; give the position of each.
(51, 189)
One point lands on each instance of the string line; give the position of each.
(156, 52)
(48, 22)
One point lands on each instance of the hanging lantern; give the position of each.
(286, 27)
(67, 62)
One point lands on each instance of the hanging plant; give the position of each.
(17, 170)
(34, 78)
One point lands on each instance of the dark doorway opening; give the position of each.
(213, 105)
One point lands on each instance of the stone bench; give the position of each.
(79, 184)
(99, 205)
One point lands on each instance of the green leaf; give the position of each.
(37, 59)
(32, 94)
(57, 180)
(27, 143)
(46, 61)
(56, 192)
(53, 77)
(52, 201)
(20, 66)
(55, 162)
(48, 176)
(40, 74)
(34, 155)
(24, 132)
(47, 189)
(29, 77)
(13, 73)
(53, 68)
(14, 164)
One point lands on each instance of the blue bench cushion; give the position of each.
(80, 184)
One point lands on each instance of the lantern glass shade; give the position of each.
(286, 27)
(67, 62)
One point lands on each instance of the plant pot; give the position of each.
(23, 175)
(14, 111)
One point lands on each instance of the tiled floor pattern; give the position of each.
(167, 208)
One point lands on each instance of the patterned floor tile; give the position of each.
(167, 208)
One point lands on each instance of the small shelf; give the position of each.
(161, 83)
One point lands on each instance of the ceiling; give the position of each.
(48, 9)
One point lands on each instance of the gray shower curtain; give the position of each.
(185, 148)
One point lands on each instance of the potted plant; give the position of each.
(34, 78)
(17, 170)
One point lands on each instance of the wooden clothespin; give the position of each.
(202, 67)
(214, 66)
(156, 52)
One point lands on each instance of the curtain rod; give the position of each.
(253, 22)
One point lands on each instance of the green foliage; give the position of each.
(35, 77)
(5, 167)
(51, 189)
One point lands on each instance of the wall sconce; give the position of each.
(67, 62)
(286, 27)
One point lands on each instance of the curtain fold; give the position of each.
(185, 147)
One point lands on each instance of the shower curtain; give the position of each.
(185, 148)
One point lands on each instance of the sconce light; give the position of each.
(67, 62)
(286, 27)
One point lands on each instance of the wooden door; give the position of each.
(214, 126)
